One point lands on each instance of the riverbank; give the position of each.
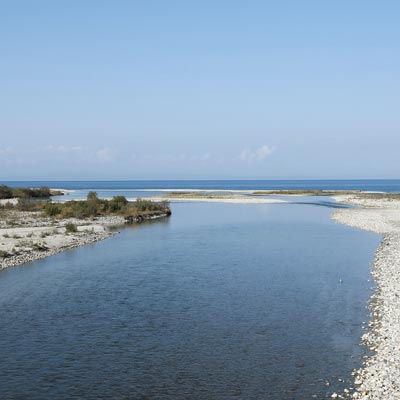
(27, 236)
(379, 378)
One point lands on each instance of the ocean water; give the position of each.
(219, 301)
(384, 185)
(134, 189)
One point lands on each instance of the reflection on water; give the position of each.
(221, 301)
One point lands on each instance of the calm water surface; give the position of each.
(220, 301)
(385, 185)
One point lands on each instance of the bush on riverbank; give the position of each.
(93, 206)
(7, 192)
(71, 228)
(89, 208)
(30, 204)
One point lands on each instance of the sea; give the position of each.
(380, 185)
(218, 301)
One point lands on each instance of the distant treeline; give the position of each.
(7, 192)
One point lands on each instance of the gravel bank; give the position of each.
(379, 378)
(27, 236)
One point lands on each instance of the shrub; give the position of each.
(39, 246)
(52, 209)
(92, 196)
(5, 192)
(94, 206)
(21, 192)
(8, 193)
(118, 203)
(145, 205)
(44, 191)
(4, 254)
(29, 204)
(71, 228)
(92, 203)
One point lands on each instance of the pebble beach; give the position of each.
(379, 377)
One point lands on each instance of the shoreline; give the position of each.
(234, 199)
(34, 237)
(379, 377)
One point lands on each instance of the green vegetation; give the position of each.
(7, 192)
(30, 204)
(39, 246)
(94, 207)
(52, 209)
(89, 208)
(4, 254)
(71, 228)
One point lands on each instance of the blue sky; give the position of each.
(199, 90)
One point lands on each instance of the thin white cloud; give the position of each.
(105, 154)
(259, 154)
(51, 148)
(201, 157)
(6, 151)
(172, 157)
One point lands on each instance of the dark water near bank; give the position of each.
(384, 185)
(221, 301)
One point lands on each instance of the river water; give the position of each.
(219, 301)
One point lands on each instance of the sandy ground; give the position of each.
(379, 378)
(235, 199)
(10, 201)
